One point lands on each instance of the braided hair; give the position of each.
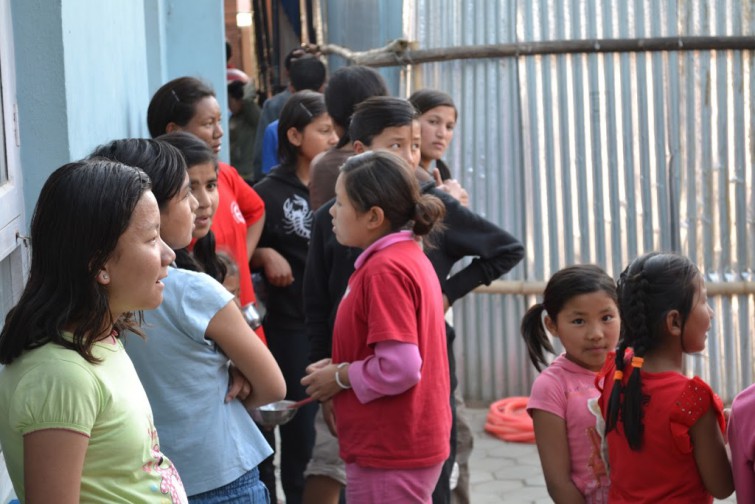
(649, 288)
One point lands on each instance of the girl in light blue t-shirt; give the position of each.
(198, 338)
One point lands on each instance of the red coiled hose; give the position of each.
(508, 420)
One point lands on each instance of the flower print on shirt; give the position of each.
(170, 481)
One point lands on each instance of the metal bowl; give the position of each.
(277, 413)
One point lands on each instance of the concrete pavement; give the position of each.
(507, 472)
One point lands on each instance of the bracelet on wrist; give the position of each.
(338, 378)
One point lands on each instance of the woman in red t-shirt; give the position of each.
(664, 431)
(188, 104)
(389, 372)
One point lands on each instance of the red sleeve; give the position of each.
(696, 398)
(604, 381)
(251, 205)
(392, 310)
(601, 379)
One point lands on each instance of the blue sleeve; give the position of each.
(192, 300)
(270, 147)
(266, 117)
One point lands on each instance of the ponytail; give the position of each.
(382, 179)
(534, 335)
(428, 215)
(614, 401)
(631, 412)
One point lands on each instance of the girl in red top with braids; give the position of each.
(664, 430)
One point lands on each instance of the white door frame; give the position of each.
(12, 222)
(12, 225)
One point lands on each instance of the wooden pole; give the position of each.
(535, 288)
(304, 21)
(398, 53)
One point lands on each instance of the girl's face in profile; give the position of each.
(316, 137)
(349, 225)
(139, 261)
(206, 123)
(698, 321)
(177, 218)
(204, 187)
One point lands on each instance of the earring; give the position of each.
(104, 276)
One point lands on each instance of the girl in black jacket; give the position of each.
(304, 130)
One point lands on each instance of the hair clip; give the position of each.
(306, 110)
(173, 92)
(618, 375)
(637, 362)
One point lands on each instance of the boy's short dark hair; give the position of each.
(375, 114)
(307, 72)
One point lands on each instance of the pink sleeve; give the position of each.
(741, 437)
(548, 393)
(394, 368)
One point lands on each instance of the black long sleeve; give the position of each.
(329, 264)
(326, 276)
(495, 251)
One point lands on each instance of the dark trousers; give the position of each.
(442, 492)
(267, 466)
(289, 345)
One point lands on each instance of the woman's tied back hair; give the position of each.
(649, 288)
(382, 179)
(175, 102)
(564, 285)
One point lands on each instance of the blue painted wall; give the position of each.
(195, 46)
(363, 25)
(104, 53)
(40, 91)
(86, 69)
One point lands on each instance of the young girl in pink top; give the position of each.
(664, 430)
(579, 308)
(741, 436)
(389, 371)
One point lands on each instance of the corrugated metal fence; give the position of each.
(599, 158)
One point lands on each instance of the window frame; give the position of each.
(12, 226)
(13, 243)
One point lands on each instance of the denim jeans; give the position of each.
(248, 489)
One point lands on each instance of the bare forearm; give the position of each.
(565, 492)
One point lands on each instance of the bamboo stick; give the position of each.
(398, 53)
